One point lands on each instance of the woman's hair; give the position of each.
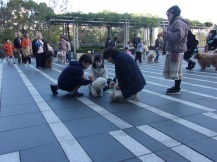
(98, 58)
(38, 35)
(175, 10)
(109, 52)
(86, 58)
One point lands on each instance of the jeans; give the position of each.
(68, 55)
(158, 54)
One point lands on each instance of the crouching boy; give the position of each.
(72, 77)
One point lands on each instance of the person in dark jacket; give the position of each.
(18, 46)
(158, 45)
(72, 77)
(191, 47)
(130, 80)
(39, 48)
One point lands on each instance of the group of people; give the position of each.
(128, 80)
(25, 48)
(128, 77)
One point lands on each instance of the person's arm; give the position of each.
(81, 80)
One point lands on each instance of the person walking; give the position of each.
(191, 47)
(9, 49)
(176, 45)
(139, 51)
(158, 45)
(18, 46)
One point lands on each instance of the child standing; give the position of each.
(9, 49)
(72, 77)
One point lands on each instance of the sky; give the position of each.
(203, 11)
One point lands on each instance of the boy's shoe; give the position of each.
(174, 91)
(193, 65)
(75, 94)
(53, 89)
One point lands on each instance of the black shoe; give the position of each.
(193, 65)
(169, 89)
(53, 89)
(188, 68)
(174, 91)
(76, 94)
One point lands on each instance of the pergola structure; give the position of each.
(65, 21)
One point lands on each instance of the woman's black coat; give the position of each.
(128, 74)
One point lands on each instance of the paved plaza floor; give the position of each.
(36, 126)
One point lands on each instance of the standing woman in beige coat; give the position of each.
(176, 45)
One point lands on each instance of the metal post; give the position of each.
(77, 34)
(74, 43)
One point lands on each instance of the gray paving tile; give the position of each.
(139, 117)
(8, 84)
(187, 96)
(75, 113)
(145, 140)
(170, 156)
(15, 93)
(89, 126)
(18, 109)
(132, 160)
(156, 100)
(178, 132)
(26, 138)
(104, 147)
(16, 101)
(203, 121)
(65, 102)
(206, 147)
(21, 121)
(207, 102)
(180, 109)
(47, 153)
(113, 106)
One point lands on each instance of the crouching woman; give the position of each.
(128, 74)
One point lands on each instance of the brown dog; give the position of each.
(206, 59)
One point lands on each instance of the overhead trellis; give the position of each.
(107, 18)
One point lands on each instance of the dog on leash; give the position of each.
(150, 58)
(206, 59)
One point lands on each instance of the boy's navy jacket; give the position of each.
(128, 74)
(73, 75)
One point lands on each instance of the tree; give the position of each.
(26, 16)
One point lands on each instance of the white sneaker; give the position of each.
(26, 65)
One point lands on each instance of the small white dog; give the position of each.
(150, 58)
(96, 88)
(61, 56)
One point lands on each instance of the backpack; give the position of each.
(192, 42)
